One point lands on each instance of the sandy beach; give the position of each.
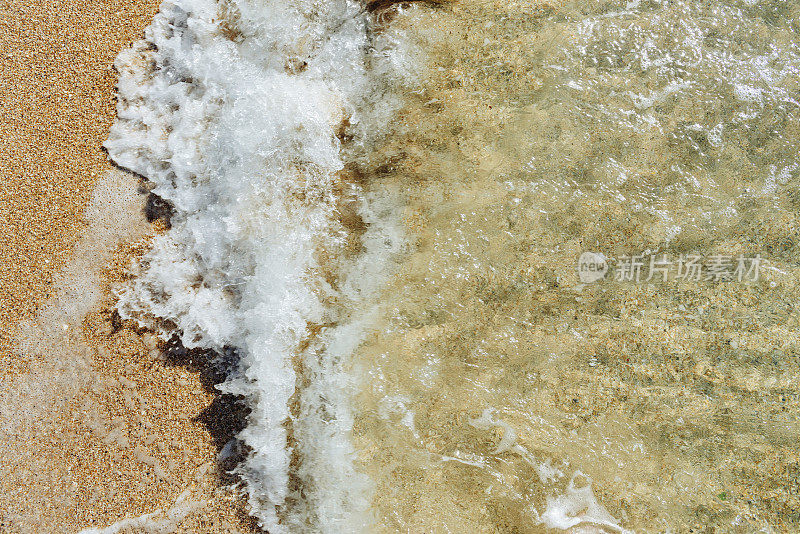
(97, 422)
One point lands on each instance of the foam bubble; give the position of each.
(577, 506)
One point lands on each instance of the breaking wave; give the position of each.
(249, 118)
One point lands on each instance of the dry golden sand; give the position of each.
(57, 96)
(94, 426)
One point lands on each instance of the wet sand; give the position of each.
(97, 421)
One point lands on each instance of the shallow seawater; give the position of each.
(500, 393)
(378, 219)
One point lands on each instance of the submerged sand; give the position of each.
(94, 425)
(503, 395)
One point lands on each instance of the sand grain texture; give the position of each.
(94, 426)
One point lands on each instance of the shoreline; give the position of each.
(95, 426)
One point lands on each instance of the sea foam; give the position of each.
(243, 115)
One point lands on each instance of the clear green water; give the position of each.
(499, 391)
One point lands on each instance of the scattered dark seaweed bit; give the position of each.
(157, 208)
